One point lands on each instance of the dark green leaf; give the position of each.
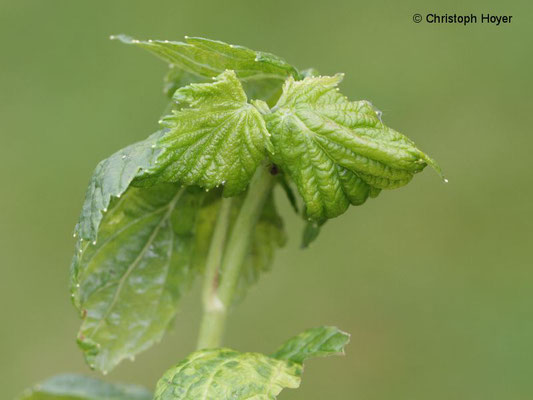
(128, 283)
(79, 387)
(110, 179)
(315, 342)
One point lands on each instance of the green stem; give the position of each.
(209, 334)
(220, 290)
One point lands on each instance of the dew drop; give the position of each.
(446, 180)
(81, 250)
(112, 37)
(135, 41)
(74, 235)
(160, 121)
(153, 146)
(105, 209)
(223, 182)
(150, 41)
(124, 157)
(77, 285)
(94, 242)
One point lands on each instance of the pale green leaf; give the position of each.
(338, 152)
(110, 179)
(315, 342)
(227, 374)
(218, 140)
(127, 284)
(261, 74)
(79, 387)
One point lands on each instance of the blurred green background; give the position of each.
(433, 281)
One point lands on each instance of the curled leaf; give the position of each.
(338, 152)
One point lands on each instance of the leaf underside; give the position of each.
(228, 374)
(110, 179)
(261, 74)
(215, 138)
(315, 342)
(152, 243)
(337, 152)
(79, 387)
(127, 285)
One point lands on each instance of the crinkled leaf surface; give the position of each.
(219, 139)
(79, 387)
(338, 152)
(261, 74)
(127, 284)
(315, 342)
(228, 374)
(111, 178)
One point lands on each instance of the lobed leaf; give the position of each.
(261, 74)
(219, 140)
(228, 374)
(315, 342)
(338, 152)
(79, 387)
(128, 283)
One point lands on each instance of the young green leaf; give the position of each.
(337, 152)
(127, 284)
(228, 374)
(220, 139)
(79, 387)
(261, 74)
(110, 179)
(315, 342)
